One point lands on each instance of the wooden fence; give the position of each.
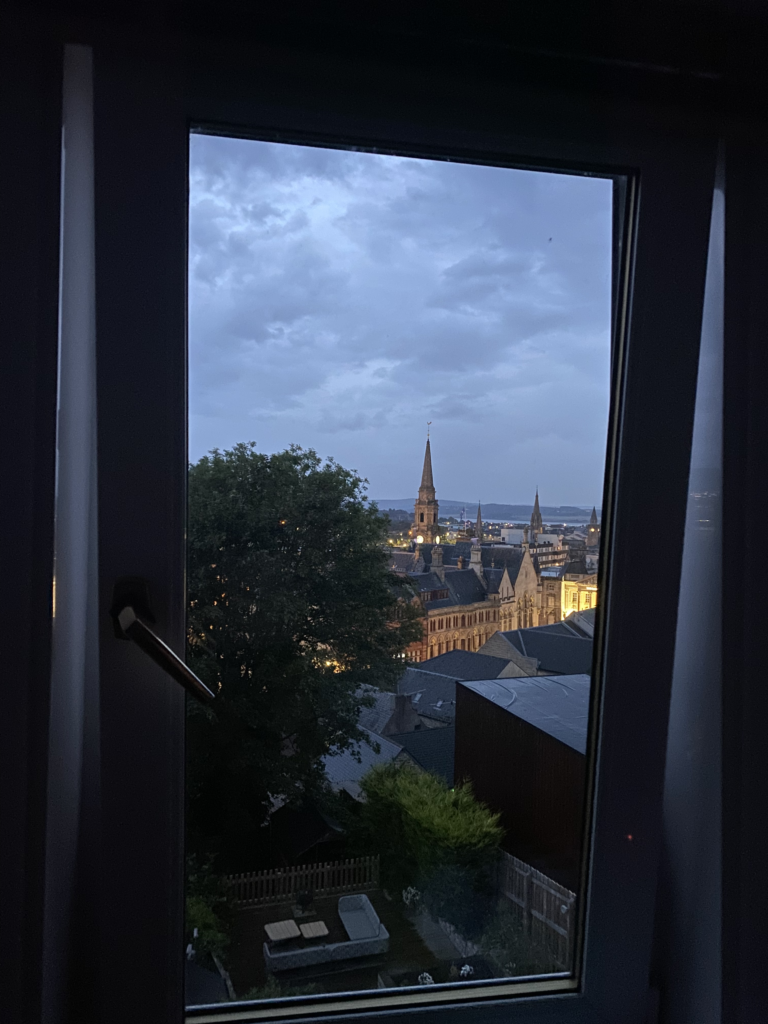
(262, 888)
(548, 909)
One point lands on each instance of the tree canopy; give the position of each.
(439, 840)
(291, 609)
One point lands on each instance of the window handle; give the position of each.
(130, 592)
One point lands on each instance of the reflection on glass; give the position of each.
(389, 789)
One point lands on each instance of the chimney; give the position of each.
(437, 562)
(476, 560)
(461, 562)
(404, 718)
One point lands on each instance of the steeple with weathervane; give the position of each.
(426, 508)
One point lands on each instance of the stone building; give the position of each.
(461, 607)
(469, 590)
(579, 592)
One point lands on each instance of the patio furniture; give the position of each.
(358, 917)
(367, 937)
(314, 929)
(281, 931)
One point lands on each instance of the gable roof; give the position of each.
(432, 750)
(465, 665)
(493, 578)
(556, 652)
(583, 622)
(557, 705)
(375, 718)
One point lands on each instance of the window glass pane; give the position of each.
(399, 391)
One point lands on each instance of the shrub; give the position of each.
(441, 840)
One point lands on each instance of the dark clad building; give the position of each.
(522, 744)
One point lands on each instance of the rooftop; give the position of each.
(431, 749)
(558, 705)
(555, 650)
(346, 768)
(465, 665)
(432, 695)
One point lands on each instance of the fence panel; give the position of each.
(262, 888)
(547, 908)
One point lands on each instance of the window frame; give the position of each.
(147, 97)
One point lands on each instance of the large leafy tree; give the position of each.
(291, 609)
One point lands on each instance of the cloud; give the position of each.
(339, 300)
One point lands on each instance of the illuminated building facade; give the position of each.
(579, 593)
(470, 590)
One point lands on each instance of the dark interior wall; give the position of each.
(534, 780)
(30, 98)
(707, 56)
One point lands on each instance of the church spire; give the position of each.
(537, 526)
(426, 509)
(427, 483)
(593, 531)
(479, 526)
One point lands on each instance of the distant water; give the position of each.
(547, 522)
(561, 515)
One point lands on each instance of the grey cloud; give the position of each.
(339, 300)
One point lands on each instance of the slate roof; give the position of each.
(374, 719)
(403, 561)
(579, 624)
(431, 749)
(555, 652)
(464, 587)
(503, 557)
(465, 665)
(583, 622)
(576, 567)
(449, 554)
(493, 578)
(563, 628)
(427, 581)
(498, 556)
(343, 769)
(558, 705)
(432, 695)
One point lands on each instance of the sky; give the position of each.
(341, 300)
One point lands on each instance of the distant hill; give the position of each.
(513, 513)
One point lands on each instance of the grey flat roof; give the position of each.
(558, 705)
